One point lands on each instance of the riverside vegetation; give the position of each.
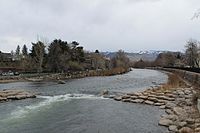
(58, 60)
(177, 98)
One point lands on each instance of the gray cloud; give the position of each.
(107, 25)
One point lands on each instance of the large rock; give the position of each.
(149, 102)
(173, 128)
(190, 121)
(152, 99)
(118, 98)
(179, 111)
(126, 96)
(143, 97)
(170, 105)
(159, 104)
(126, 100)
(134, 97)
(61, 82)
(168, 111)
(186, 130)
(165, 122)
(104, 92)
(137, 101)
(181, 124)
(7, 95)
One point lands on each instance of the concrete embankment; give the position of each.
(9, 95)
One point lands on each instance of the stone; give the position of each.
(61, 82)
(134, 97)
(186, 130)
(145, 94)
(178, 111)
(197, 124)
(170, 105)
(143, 97)
(165, 98)
(187, 92)
(162, 101)
(12, 97)
(134, 94)
(152, 99)
(2, 99)
(149, 102)
(182, 124)
(19, 97)
(190, 121)
(173, 128)
(104, 92)
(170, 117)
(126, 100)
(126, 96)
(162, 107)
(197, 130)
(180, 92)
(159, 104)
(119, 98)
(165, 122)
(170, 95)
(168, 111)
(137, 101)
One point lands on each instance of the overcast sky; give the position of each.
(107, 25)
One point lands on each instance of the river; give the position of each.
(77, 107)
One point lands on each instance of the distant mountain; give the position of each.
(150, 55)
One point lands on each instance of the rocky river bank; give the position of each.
(181, 114)
(9, 95)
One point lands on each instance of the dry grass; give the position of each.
(174, 82)
(114, 71)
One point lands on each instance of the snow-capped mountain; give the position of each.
(150, 55)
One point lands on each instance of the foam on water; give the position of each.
(21, 112)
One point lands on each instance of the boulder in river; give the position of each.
(104, 92)
(7, 95)
(61, 82)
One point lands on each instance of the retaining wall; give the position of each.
(192, 77)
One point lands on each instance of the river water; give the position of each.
(77, 107)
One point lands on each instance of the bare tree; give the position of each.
(193, 53)
(196, 14)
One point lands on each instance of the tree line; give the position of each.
(61, 56)
(189, 59)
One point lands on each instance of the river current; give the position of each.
(77, 107)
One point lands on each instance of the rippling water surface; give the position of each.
(77, 107)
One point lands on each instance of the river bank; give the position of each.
(176, 98)
(61, 76)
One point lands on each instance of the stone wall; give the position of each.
(192, 77)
